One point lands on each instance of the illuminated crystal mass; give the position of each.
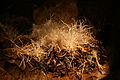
(60, 50)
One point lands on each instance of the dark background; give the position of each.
(104, 15)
